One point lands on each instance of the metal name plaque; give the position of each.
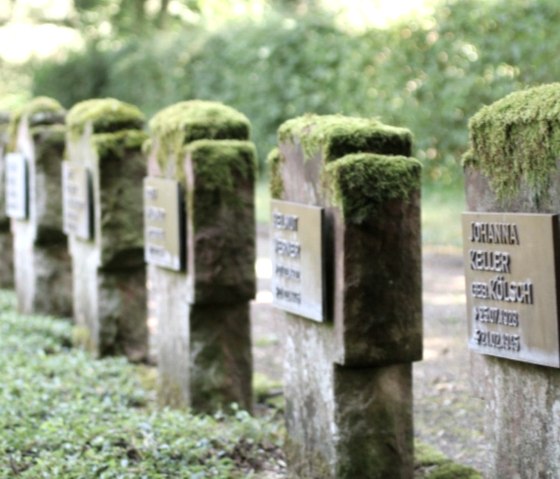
(164, 223)
(511, 272)
(77, 204)
(17, 186)
(298, 267)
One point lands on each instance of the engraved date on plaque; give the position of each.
(17, 186)
(77, 203)
(298, 266)
(511, 273)
(164, 223)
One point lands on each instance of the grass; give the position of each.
(64, 415)
(441, 217)
(262, 201)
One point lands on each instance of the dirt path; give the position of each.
(447, 415)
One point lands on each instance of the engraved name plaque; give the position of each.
(17, 190)
(511, 273)
(298, 267)
(164, 225)
(77, 204)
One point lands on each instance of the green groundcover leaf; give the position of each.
(66, 415)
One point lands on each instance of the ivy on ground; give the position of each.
(65, 415)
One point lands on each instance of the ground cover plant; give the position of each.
(65, 415)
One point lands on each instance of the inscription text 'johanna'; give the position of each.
(494, 233)
(512, 285)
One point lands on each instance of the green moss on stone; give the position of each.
(275, 160)
(81, 338)
(147, 146)
(516, 140)
(335, 136)
(170, 393)
(115, 144)
(218, 163)
(426, 455)
(105, 115)
(450, 470)
(49, 141)
(265, 388)
(39, 111)
(55, 132)
(469, 160)
(435, 465)
(4, 126)
(305, 463)
(361, 183)
(188, 121)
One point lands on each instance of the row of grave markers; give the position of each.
(298, 279)
(196, 205)
(345, 249)
(163, 206)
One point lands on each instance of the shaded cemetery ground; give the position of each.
(446, 414)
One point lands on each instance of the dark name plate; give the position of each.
(164, 225)
(77, 203)
(298, 266)
(511, 272)
(17, 186)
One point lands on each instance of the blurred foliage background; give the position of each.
(429, 69)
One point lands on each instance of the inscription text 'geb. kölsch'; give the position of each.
(511, 285)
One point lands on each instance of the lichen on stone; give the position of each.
(275, 160)
(361, 183)
(188, 121)
(335, 136)
(105, 115)
(516, 140)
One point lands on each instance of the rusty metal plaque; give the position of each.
(164, 223)
(77, 201)
(298, 264)
(17, 186)
(511, 273)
